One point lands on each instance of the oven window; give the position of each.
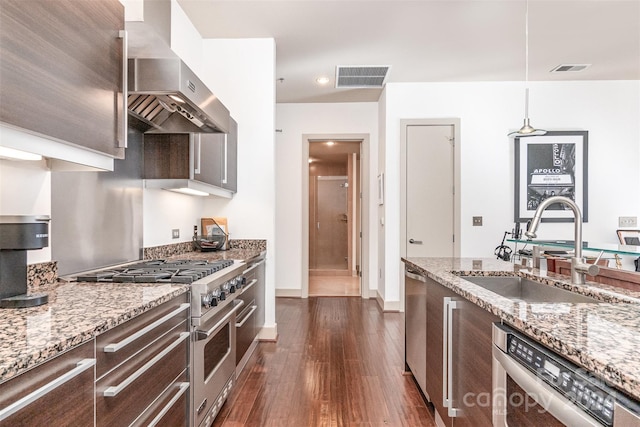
(215, 350)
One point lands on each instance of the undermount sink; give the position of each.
(521, 289)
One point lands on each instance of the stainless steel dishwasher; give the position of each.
(532, 383)
(415, 307)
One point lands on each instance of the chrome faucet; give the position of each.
(579, 268)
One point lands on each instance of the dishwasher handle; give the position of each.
(415, 276)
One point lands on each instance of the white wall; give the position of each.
(295, 120)
(230, 70)
(609, 110)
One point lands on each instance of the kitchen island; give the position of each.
(603, 338)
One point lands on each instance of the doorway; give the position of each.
(429, 189)
(334, 218)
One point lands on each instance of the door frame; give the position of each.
(404, 124)
(364, 206)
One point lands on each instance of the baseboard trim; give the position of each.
(269, 333)
(289, 293)
(387, 306)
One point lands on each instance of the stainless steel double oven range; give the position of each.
(214, 287)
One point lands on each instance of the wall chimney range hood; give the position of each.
(165, 96)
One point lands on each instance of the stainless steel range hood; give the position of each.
(165, 96)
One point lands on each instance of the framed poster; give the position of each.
(554, 164)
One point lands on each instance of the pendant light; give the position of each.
(526, 129)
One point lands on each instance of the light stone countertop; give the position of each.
(76, 312)
(603, 338)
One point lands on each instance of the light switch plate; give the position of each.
(477, 221)
(476, 264)
(627, 221)
(175, 233)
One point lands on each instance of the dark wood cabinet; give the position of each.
(458, 357)
(209, 158)
(472, 364)
(61, 73)
(436, 342)
(62, 390)
(142, 366)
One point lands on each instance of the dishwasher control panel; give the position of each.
(589, 393)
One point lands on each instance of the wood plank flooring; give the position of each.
(338, 362)
(330, 286)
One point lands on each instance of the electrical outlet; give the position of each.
(477, 221)
(175, 233)
(627, 221)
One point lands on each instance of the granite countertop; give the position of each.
(234, 254)
(603, 338)
(76, 312)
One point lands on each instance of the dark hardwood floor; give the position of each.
(338, 362)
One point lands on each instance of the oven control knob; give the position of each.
(206, 300)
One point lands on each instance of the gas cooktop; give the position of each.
(157, 271)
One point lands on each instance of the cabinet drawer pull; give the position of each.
(241, 324)
(122, 138)
(174, 399)
(253, 266)
(16, 406)
(202, 335)
(112, 348)
(114, 390)
(225, 165)
(447, 356)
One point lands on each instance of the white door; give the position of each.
(430, 191)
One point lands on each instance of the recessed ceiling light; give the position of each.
(310, 160)
(322, 80)
(330, 143)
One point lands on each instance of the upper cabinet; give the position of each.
(204, 162)
(218, 158)
(63, 72)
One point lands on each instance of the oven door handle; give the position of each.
(554, 403)
(251, 283)
(203, 335)
(241, 324)
(253, 266)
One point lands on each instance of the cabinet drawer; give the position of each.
(126, 392)
(125, 341)
(69, 404)
(172, 408)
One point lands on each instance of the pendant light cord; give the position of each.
(526, 60)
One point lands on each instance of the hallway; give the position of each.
(338, 362)
(332, 286)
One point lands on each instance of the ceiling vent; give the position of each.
(570, 68)
(361, 76)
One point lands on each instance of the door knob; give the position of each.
(415, 242)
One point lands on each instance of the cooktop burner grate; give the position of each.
(158, 271)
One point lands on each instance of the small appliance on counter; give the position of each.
(19, 233)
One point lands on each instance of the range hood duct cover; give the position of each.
(167, 97)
